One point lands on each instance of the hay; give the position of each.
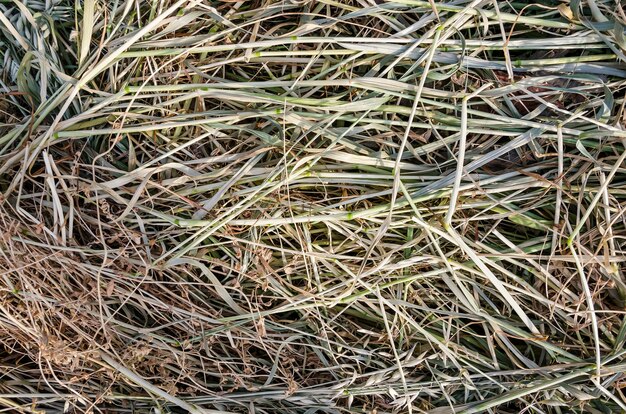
(312, 206)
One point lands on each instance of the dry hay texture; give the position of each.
(312, 206)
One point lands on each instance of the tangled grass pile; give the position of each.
(281, 206)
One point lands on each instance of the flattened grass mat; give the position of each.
(312, 206)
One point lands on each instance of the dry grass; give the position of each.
(312, 206)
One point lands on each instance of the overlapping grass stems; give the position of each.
(312, 206)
